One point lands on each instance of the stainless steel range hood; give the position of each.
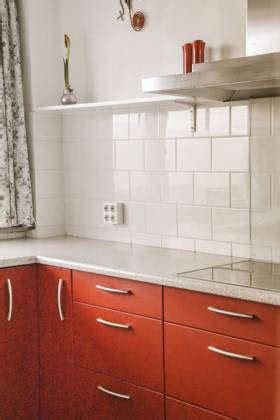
(253, 76)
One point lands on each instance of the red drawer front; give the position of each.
(93, 403)
(134, 354)
(243, 389)
(141, 299)
(178, 410)
(191, 309)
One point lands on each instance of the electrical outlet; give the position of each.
(113, 213)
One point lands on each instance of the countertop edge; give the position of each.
(203, 286)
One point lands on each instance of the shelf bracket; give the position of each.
(193, 108)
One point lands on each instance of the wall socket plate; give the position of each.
(113, 213)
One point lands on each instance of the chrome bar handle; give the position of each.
(10, 293)
(229, 313)
(113, 394)
(113, 324)
(59, 306)
(111, 290)
(232, 355)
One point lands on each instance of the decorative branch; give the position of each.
(66, 61)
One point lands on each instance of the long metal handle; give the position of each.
(111, 290)
(113, 394)
(230, 354)
(59, 306)
(229, 313)
(10, 293)
(113, 324)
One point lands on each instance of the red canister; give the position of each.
(198, 51)
(187, 58)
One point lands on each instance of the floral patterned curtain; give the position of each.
(15, 183)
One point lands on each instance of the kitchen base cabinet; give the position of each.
(178, 410)
(231, 376)
(100, 397)
(19, 352)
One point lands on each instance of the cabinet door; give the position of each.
(55, 320)
(19, 353)
(100, 397)
(226, 375)
(178, 410)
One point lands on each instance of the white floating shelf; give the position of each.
(91, 106)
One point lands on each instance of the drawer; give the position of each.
(178, 410)
(219, 378)
(127, 346)
(223, 315)
(101, 397)
(120, 294)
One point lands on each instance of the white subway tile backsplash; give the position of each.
(129, 155)
(175, 122)
(275, 116)
(145, 186)
(180, 189)
(240, 118)
(135, 219)
(230, 154)
(177, 187)
(240, 190)
(231, 225)
(47, 156)
(143, 125)
(212, 120)
(88, 127)
(97, 185)
(261, 117)
(120, 126)
(44, 127)
(144, 239)
(49, 212)
(260, 190)
(275, 191)
(194, 222)
(161, 219)
(160, 155)
(98, 156)
(49, 184)
(213, 247)
(178, 243)
(211, 189)
(265, 152)
(194, 155)
(265, 227)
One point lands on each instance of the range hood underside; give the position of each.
(223, 81)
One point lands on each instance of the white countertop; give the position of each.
(135, 262)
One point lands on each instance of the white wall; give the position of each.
(42, 51)
(108, 57)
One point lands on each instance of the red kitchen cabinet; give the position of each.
(101, 397)
(178, 410)
(56, 341)
(231, 376)
(19, 353)
(129, 347)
